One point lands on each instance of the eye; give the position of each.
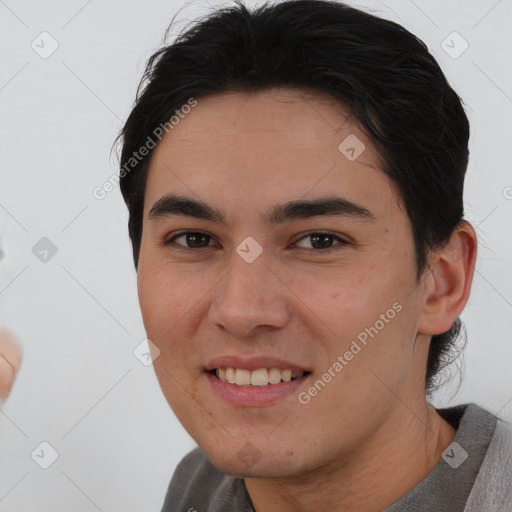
(193, 239)
(321, 241)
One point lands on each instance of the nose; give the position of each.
(250, 297)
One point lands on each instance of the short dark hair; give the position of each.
(380, 72)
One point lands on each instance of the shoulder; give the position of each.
(197, 485)
(492, 490)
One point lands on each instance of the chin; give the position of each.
(261, 469)
(247, 461)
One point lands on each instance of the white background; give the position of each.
(80, 387)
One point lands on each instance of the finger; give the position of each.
(10, 349)
(7, 374)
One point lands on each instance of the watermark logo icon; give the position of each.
(146, 352)
(44, 250)
(249, 249)
(351, 147)
(44, 455)
(44, 45)
(454, 45)
(455, 455)
(249, 455)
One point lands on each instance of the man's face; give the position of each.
(306, 302)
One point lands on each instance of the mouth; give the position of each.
(255, 381)
(261, 377)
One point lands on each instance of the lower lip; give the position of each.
(257, 395)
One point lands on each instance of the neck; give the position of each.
(398, 457)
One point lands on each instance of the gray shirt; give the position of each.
(197, 485)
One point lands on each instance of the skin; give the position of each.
(369, 436)
(10, 361)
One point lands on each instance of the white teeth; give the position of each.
(274, 376)
(243, 377)
(260, 377)
(230, 375)
(286, 375)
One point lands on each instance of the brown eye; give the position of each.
(322, 241)
(193, 239)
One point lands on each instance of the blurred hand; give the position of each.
(10, 361)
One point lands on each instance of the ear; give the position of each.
(447, 281)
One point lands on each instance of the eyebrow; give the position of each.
(174, 205)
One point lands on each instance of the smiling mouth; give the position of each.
(256, 378)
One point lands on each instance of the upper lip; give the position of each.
(252, 363)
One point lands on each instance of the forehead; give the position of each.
(275, 144)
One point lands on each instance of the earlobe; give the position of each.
(448, 284)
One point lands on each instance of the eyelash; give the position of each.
(342, 243)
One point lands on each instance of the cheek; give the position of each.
(341, 298)
(171, 299)
(160, 301)
(362, 306)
